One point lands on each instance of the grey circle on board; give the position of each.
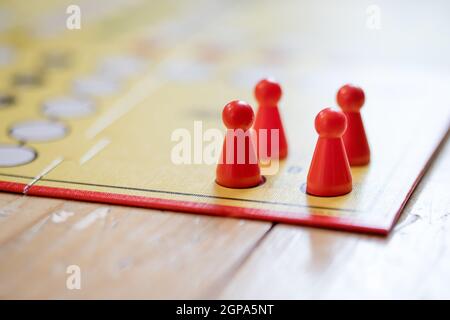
(27, 79)
(303, 188)
(68, 108)
(119, 67)
(187, 71)
(7, 55)
(97, 86)
(6, 100)
(38, 131)
(12, 155)
(56, 59)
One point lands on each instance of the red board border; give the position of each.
(195, 208)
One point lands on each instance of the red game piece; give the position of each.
(329, 174)
(268, 93)
(240, 168)
(351, 99)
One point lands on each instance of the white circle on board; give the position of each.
(12, 155)
(249, 76)
(119, 67)
(187, 71)
(38, 131)
(95, 86)
(7, 55)
(68, 107)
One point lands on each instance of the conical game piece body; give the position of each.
(268, 94)
(329, 174)
(238, 165)
(351, 100)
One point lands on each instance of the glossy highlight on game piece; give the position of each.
(238, 166)
(351, 99)
(329, 174)
(268, 94)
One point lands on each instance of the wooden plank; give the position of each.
(18, 212)
(308, 263)
(123, 252)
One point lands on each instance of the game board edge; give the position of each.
(327, 222)
(436, 150)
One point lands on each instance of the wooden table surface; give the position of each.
(125, 252)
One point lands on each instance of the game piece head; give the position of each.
(268, 92)
(350, 98)
(238, 115)
(330, 123)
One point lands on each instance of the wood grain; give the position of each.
(122, 252)
(307, 263)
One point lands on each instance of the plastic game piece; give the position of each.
(351, 99)
(238, 166)
(268, 94)
(329, 174)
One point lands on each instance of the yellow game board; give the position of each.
(90, 113)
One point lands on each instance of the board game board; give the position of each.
(89, 114)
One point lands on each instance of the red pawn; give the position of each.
(268, 94)
(329, 174)
(239, 166)
(351, 99)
